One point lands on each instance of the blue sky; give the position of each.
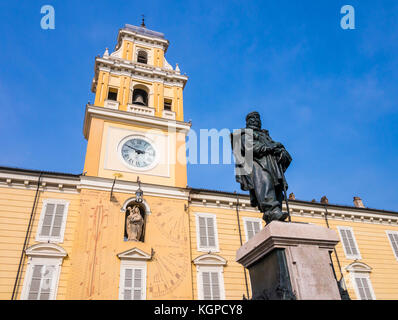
(330, 95)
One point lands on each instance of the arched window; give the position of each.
(142, 57)
(134, 222)
(140, 97)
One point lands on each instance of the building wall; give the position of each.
(369, 232)
(229, 242)
(94, 236)
(99, 238)
(15, 209)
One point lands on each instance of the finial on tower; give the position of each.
(143, 21)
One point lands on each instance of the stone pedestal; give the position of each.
(291, 261)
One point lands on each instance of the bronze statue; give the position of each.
(134, 224)
(265, 178)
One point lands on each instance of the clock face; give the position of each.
(138, 153)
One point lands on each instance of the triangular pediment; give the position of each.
(210, 259)
(134, 254)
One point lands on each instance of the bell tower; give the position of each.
(136, 126)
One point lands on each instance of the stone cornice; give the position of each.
(131, 118)
(123, 186)
(72, 184)
(137, 70)
(126, 34)
(54, 182)
(208, 199)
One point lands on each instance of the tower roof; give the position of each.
(144, 31)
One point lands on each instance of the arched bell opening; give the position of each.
(134, 222)
(142, 57)
(140, 97)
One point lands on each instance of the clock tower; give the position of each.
(136, 128)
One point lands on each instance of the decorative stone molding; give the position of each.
(209, 260)
(46, 250)
(132, 199)
(111, 104)
(134, 254)
(138, 109)
(358, 267)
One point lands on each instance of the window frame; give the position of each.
(132, 264)
(146, 55)
(109, 91)
(250, 219)
(359, 274)
(43, 254)
(356, 275)
(168, 102)
(49, 238)
(349, 256)
(219, 270)
(388, 232)
(216, 248)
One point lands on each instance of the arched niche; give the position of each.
(144, 211)
(141, 86)
(140, 96)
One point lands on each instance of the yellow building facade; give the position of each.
(65, 236)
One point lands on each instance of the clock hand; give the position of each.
(136, 150)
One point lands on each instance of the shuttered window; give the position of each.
(52, 221)
(393, 237)
(349, 243)
(364, 288)
(251, 227)
(207, 232)
(133, 284)
(41, 283)
(211, 286)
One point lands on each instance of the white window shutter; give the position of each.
(202, 232)
(394, 242)
(207, 232)
(133, 284)
(52, 220)
(210, 232)
(349, 243)
(128, 284)
(345, 241)
(206, 286)
(256, 226)
(211, 285)
(48, 219)
(250, 229)
(363, 288)
(215, 286)
(34, 289)
(58, 219)
(41, 284)
(138, 284)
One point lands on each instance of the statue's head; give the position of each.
(253, 120)
(136, 209)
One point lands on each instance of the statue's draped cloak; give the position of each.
(267, 161)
